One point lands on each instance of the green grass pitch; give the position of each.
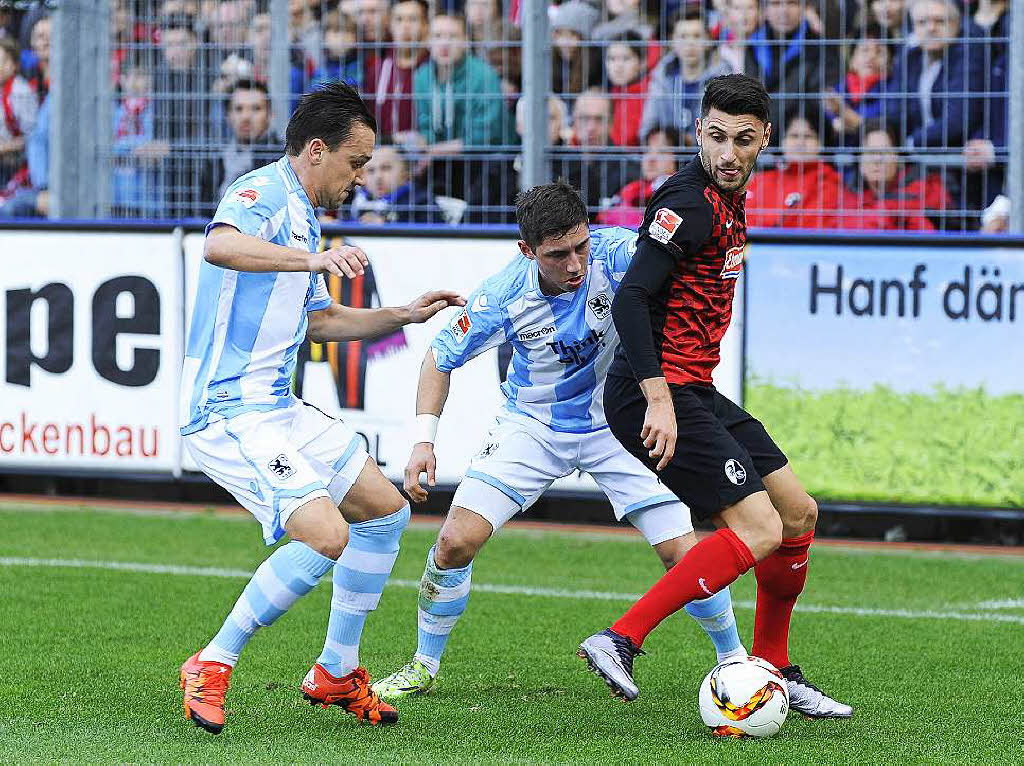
(90, 655)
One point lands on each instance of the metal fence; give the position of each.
(887, 114)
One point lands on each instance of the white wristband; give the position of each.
(426, 427)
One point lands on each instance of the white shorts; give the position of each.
(274, 462)
(521, 459)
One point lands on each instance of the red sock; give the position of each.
(706, 568)
(780, 579)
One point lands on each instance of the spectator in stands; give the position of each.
(181, 117)
(625, 67)
(29, 197)
(387, 83)
(742, 19)
(985, 149)
(932, 79)
(342, 60)
(575, 65)
(859, 95)
(658, 163)
(891, 18)
(805, 191)
(371, 17)
(790, 59)
(888, 195)
(623, 16)
(39, 75)
(590, 165)
(390, 194)
(252, 143)
(677, 83)
(134, 189)
(458, 96)
(19, 107)
(495, 41)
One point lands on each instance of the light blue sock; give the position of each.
(714, 614)
(444, 594)
(290, 572)
(359, 579)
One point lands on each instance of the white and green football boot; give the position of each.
(413, 678)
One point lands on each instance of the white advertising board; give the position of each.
(91, 351)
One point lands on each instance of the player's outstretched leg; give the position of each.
(713, 614)
(708, 567)
(780, 580)
(290, 572)
(443, 598)
(377, 515)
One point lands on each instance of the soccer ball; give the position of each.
(744, 697)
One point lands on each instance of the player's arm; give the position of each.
(229, 248)
(650, 268)
(477, 328)
(431, 394)
(658, 251)
(340, 323)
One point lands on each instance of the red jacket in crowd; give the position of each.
(802, 195)
(387, 89)
(628, 110)
(630, 203)
(904, 209)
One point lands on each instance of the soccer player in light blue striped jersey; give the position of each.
(300, 472)
(553, 304)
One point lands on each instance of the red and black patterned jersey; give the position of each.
(692, 240)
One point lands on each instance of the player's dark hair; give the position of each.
(736, 94)
(327, 113)
(549, 210)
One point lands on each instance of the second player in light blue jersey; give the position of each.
(553, 304)
(300, 472)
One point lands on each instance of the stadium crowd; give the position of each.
(888, 114)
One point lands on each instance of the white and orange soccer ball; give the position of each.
(744, 697)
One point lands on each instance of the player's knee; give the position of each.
(672, 551)
(329, 542)
(766, 536)
(453, 549)
(810, 517)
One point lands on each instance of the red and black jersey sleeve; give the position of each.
(677, 224)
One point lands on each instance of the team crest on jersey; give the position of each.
(735, 472)
(488, 449)
(460, 325)
(280, 467)
(600, 305)
(664, 225)
(733, 262)
(247, 197)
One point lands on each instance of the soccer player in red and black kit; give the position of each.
(671, 311)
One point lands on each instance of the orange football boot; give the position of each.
(205, 684)
(352, 692)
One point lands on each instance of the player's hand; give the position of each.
(659, 431)
(340, 260)
(421, 460)
(428, 304)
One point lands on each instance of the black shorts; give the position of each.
(722, 451)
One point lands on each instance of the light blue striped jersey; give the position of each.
(562, 344)
(247, 327)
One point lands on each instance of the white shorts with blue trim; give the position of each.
(521, 458)
(276, 461)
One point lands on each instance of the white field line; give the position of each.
(1005, 603)
(518, 590)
